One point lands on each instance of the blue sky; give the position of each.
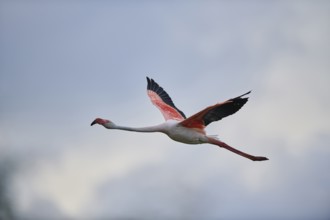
(62, 64)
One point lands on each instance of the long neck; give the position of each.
(157, 128)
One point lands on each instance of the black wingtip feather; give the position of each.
(242, 95)
(226, 109)
(149, 83)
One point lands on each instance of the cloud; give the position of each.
(69, 181)
(6, 203)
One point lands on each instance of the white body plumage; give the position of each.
(183, 134)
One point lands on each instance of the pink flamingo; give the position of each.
(186, 130)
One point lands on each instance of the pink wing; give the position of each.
(215, 112)
(163, 102)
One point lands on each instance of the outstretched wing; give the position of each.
(215, 112)
(163, 101)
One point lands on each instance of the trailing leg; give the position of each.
(226, 146)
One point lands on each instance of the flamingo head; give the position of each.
(104, 122)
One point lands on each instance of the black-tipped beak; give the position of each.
(93, 123)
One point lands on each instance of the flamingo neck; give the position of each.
(157, 128)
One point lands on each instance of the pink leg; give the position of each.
(226, 146)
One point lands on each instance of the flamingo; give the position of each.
(189, 130)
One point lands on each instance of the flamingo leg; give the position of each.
(226, 146)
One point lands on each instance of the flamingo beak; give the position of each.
(94, 122)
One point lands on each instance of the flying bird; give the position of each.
(189, 130)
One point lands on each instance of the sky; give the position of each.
(64, 63)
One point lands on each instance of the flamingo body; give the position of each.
(183, 134)
(189, 130)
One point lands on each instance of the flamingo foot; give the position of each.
(259, 158)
